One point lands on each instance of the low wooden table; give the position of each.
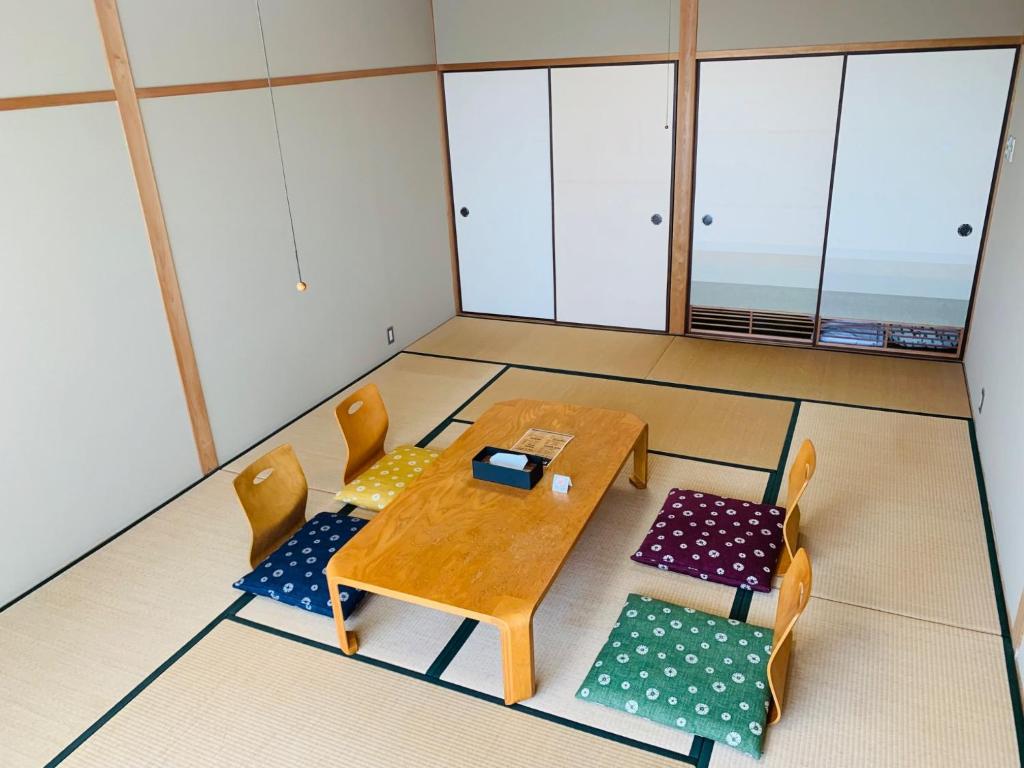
(488, 551)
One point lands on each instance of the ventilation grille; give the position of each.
(752, 323)
(932, 339)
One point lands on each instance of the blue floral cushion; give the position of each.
(294, 572)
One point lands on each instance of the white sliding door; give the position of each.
(765, 137)
(498, 138)
(917, 146)
(612, 157)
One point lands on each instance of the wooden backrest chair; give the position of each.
(273, 494)
(800, 473)
(793, 597)
(363, 419)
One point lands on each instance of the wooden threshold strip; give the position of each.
(185, 89)
(879, 47)
(573, 61)
(55, 100)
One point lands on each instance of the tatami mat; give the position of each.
(73, 648)
(399, 633)
(873, 689)
(898, 659)
(242, 697)
(618, 353)
(448, 436)
(893, 519)
(575, 618)
(926, 386)
(741, 430)
(419, 393)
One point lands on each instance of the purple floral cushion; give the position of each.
(729, 541)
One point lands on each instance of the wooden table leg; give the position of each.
(517, 657)
(639, 476)
(347, 641)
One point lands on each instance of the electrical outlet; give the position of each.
(981, 403)
(391, 334)
(1011, 142)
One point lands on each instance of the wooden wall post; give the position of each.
(686, 121)
(447, 171)
(152, 211)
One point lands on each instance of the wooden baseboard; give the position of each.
(1017, 633)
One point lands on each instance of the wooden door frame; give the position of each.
(550, 65)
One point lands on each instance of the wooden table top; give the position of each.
(478, 548)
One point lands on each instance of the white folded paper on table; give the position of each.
(510, 460)
(561, 483)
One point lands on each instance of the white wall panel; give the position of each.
(366, 173)
(612, 151)
(765, 136)
(192, 41)
(495, 30)
(95, 427)
(994, 363)
(918, 141)
(217, 169)
(726, 24)
(195, 41)
(306, 36)
(50, 47)
(364, 170)
(500, 150)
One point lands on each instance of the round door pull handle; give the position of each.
(656, 219)
(464, 211)
(706, 219)
(964, 230)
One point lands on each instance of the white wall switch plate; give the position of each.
(1011, 142)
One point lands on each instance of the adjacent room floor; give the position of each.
(143, 654)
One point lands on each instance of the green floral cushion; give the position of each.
(685, 669)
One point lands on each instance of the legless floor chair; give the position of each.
(715, 677)
(372, 478)
(729, 541)
(288, 555)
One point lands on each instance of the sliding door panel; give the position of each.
(765, 139)
(917, 147)
(612, 153)
(498, 139)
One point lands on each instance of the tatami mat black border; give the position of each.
(701, 750)
(693, 387)
(237, 605)
(424, 677)
(433, 674)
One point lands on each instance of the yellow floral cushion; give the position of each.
(380, 484)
